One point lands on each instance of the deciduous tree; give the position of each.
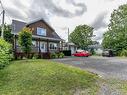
(8, 36)
(116, 36)
(25, 40)
(81, 36)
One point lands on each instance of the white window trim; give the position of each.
(54, 46)
(43, 33)
(34, 43)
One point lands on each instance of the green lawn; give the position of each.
(41, 77)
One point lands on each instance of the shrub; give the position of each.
(57, 55)
(61, 55)
(5, 53)
(123, 53)
(53, 55)
(35, 56)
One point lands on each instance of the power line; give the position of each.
(0, 17)
(2, 32)
(8, 17)
(4, 10)
(1, 13)
(3, 18)
(1, 4)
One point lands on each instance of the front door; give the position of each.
(43, 46)
(72, 50)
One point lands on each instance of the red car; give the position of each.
(82, 54)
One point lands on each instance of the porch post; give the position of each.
(47, 45)
(39, 46)
(15, 44)
(58, 46)
(15, 47)
(61, 45)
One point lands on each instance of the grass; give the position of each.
(120, 85)
(41, 77)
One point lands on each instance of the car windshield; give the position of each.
(80, 51)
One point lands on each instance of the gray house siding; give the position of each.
(17, 26)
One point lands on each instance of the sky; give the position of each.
(64, 14)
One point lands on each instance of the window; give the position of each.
(53, 46)
(34, 43)
(41, 31)
(42, 46)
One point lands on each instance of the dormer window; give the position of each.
(41, 31)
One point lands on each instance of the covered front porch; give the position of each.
(41, 46)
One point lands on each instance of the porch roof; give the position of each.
(42, 37)
(46, 38)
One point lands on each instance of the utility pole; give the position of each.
(3, 17)
(68, 35)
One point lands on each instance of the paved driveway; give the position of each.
(105, 67)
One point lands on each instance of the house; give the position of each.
(69, 46)
(44, 37)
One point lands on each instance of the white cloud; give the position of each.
(65, 13)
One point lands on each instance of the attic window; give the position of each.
(41, 31)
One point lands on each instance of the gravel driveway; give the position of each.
(112, 67)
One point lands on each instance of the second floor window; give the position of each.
(41, 31)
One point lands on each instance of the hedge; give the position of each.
(5, 53)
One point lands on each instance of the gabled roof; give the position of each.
(55, 35)
(39, 19)
(69, 44)
(17, 26)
